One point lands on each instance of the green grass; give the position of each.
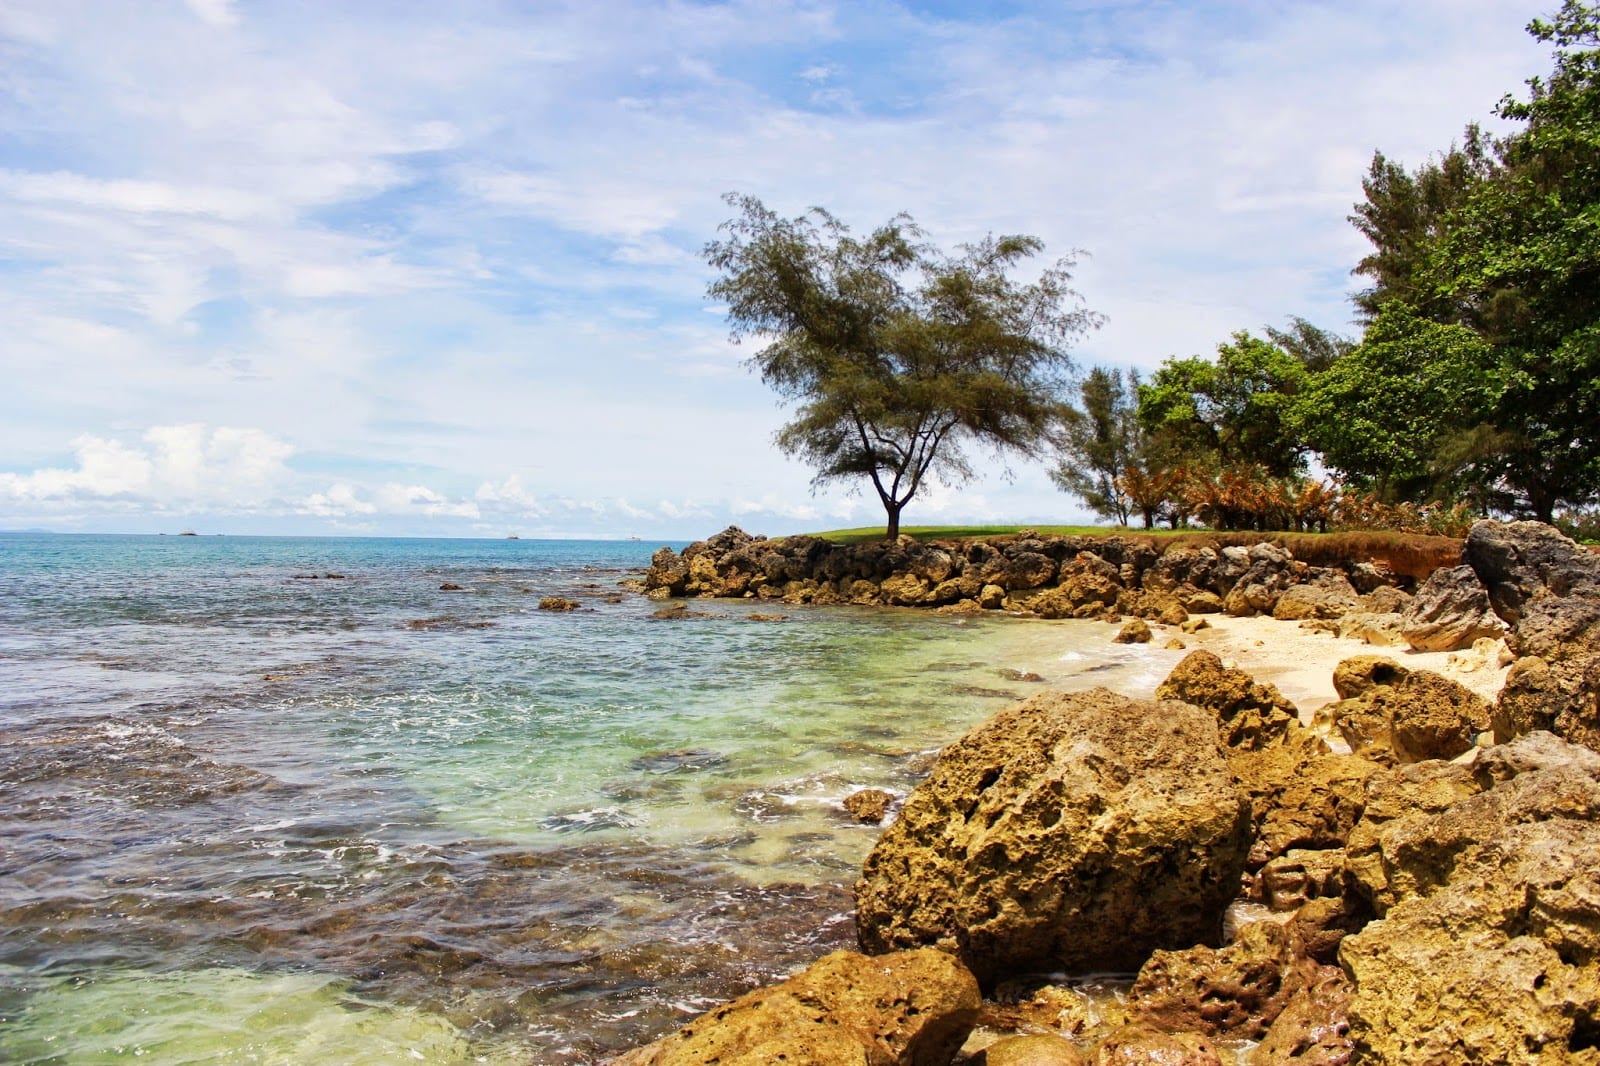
(862, 534)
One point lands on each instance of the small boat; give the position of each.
(187, 533)
(513, 537)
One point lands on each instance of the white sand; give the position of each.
(1300, 661)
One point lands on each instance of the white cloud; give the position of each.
(172, 466)
(415, 241)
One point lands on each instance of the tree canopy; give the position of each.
(898, 357)
(1503, 237)
(1100, 442)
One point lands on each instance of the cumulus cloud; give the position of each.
(170, 466)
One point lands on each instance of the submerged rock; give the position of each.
(1076, 832)
(913, 1008)
(869, 806)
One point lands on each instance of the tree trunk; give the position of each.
(893, 511)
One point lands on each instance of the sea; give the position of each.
(346, 800)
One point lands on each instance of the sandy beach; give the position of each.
(1300, 662)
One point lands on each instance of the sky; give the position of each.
(409, 268)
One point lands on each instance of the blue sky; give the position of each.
(416, 268)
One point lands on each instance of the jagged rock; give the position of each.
(1488, 887)
(1450, 611)
(1390, 713)
(1181, 566)
(1134, 632)
(1160, 607)
(1313, 1030)
(1070, 831)
(869, 806)
(1138, 1045)
(1386, 599)
(558, 603)
(1299, 875)
(1029, 570)
(1320, 926)
(1301, 796)
(1369, 577)
(1545, 585)
(1497, 964)
(1195, 625)
(1328, 594)
(904, 590)
(1271, 571)
(1199, 601)
(914, 1008)
(1034, 1049)
(1237, 991)
(1370, 627)
(1252, 715)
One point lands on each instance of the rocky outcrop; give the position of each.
(1544, 585)
(1487, 882)
(1236, 992)
(913, 1008)
(1450, 611)
(1391, 714)
(1075, 832)
(1301, 796)
(1048, 576)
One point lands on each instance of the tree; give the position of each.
(1230, 411)
(898, 356)
(1504, 238)
(1375, 414)
(1100, 442)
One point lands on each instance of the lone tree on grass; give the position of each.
(898, 355)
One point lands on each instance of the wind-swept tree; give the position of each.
(898, 356)
(1101, 440)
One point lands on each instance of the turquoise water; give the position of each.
(252, 812)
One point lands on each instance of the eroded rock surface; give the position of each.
(913, 1008)
(1068, 832)
(1450, 611)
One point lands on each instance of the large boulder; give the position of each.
(1272, 570)
(1324, 594)
(1074, 832)
(1488, 886)
(1563, 698)
(1545, 585)
(914, 1008)
(1392, 714)
(1301, 796)
(1237, 991)
(1450, 611)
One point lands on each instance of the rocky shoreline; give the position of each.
(1423, 889)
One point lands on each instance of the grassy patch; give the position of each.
(1404, 553)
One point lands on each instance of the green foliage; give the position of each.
(1100, 441)
(898, 356)
(1229, 411)
(1504, 238)
(1376, 415)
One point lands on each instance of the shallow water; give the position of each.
(251, 812)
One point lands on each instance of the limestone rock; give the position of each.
(1390, 713)
(1252, 715)
(1450, 611)
(1313, 1030)
(1237, 991)
(1328, 594)
(1372, 627)
(1134, 632)
(1137, 1045)
(558, 603)
(869, 806)
(1299, 875)
(1545, 585)
(1034, 1049)
(1271, 571)
(1563, 697)
(1497, 965)
(1395, 799)
(1071, 832)
(914, 1008)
